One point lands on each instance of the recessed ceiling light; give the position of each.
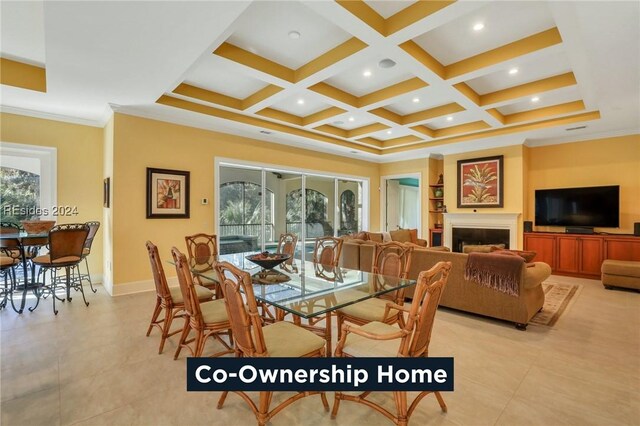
(535, 99)
(416, 100)
(387, 63)
(449, 118)
(352, 119)
(354, 152)
(300, 101)
(478, 26)
(338, 123)
(513, 71)
(294, 35)
(389, 132)
(367, 73)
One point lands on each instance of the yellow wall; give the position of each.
(609, 161)
(140, 143)
(79, 157)
(421, 166)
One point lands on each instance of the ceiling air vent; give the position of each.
(265, 132)
(575, 128)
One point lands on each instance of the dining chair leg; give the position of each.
(199, 343)
(183, 337)
(263, 408)
(154, 317)
(39, 290)
(84, 299)
(443, 406)
(168, 319)
(223, 396)
(336, 404)
(86, 264)
(401, 408)
(328, 352)
(67, 271)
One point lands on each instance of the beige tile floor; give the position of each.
(94, 366)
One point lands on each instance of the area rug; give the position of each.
(556, 300)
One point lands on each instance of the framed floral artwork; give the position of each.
(480, 182)
(167, 194)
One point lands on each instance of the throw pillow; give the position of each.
(362, 236)
(413, 235)
(401, 236)
(528, 256)
(375, 237)
(386, 237)
(480, 248)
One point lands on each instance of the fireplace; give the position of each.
(472, 236)
(484, 223)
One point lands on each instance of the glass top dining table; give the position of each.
(310, 289)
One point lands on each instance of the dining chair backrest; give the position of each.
(187, 288)
(428, 292)
(391, 262)
(203, 251)
(93, 230)
(327, 251)
(246, 323)
(67, 240)
(287, 245)
(159, 278)
(8, 244)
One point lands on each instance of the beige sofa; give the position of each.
(468, 296)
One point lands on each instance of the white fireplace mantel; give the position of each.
(481, 221)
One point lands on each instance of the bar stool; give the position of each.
(86, 251)
(66, 243)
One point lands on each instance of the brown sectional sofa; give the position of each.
(468, 296)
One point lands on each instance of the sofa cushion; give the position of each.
(401, 235)
(528, 256)
(413, 236)
(480, 248)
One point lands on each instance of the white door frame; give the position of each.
(383, 198)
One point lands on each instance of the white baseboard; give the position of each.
(138, 286)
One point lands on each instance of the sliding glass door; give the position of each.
(256, 205)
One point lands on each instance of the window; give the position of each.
(241, 209)
(255, 205)
(316, 207)
(27, 182)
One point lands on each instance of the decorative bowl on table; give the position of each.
(268, 260)
(37, 226)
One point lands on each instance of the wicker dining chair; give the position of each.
(203, 253)
(9, 260)
(279, 339)
(168, 299)
(86, 251)
(66, 243)
(207, 319)
(287, 245)
(391, 261)
(377, 339)
(326, 255)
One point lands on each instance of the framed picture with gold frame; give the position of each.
(167, 194)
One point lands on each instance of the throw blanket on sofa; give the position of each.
(501, 273)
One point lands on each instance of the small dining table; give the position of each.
(28, 245)
(311, 290)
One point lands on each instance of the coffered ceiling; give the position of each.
(382, 80)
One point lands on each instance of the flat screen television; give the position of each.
(595, 206)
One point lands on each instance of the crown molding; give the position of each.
(58, 117)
